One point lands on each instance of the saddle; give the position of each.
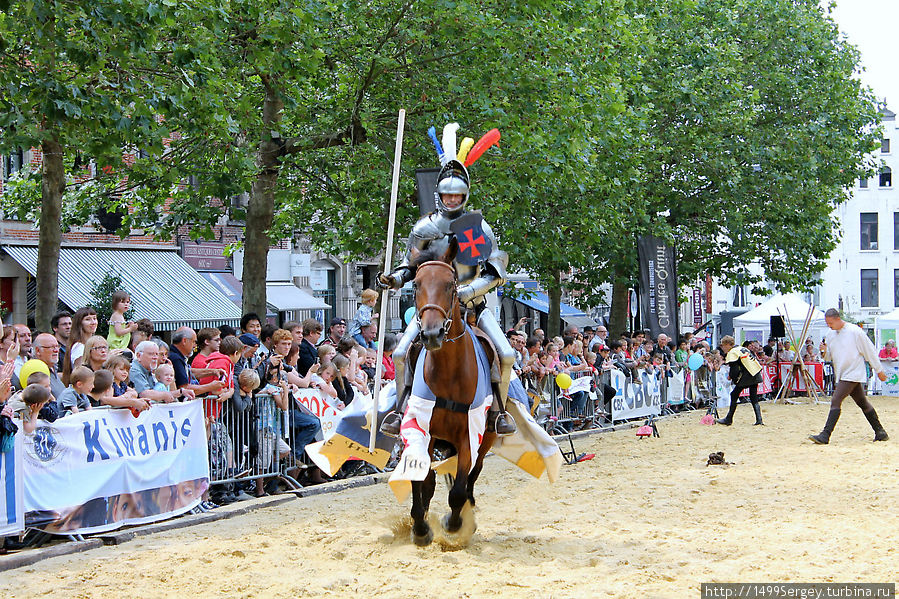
(470, 316)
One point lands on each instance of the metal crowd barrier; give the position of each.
(259, 440)
(560, 412)
(247, 441)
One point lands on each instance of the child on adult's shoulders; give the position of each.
(363, 316)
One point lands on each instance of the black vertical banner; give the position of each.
(658, 286)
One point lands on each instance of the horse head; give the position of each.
(435, 294)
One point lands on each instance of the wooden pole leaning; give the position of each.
(809, 381)
(385, 294)
(791, 336)
(798, 343)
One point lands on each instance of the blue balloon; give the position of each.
(696, 361)
(409, 315)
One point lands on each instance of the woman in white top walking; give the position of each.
(848, 347)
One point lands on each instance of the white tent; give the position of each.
(886, 327)
(756, 324)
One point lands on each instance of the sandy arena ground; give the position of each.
(645, 518)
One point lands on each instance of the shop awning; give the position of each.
(579, 321)
(287, 296)
(280, 296)
(163, 287)
(540, 302)
(227, 283)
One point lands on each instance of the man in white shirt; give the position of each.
(848, 347)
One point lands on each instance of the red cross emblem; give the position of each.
(471, 243)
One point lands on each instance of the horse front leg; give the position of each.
(486, 444)
(422, 534)
(458, 494)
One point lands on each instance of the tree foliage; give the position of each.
(730, 127)
(79, 81)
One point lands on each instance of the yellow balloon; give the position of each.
(30, 367)
(563, 380)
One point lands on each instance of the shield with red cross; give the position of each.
(474, 246)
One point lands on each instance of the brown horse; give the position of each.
(450, 370)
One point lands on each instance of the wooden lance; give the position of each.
(388, 257)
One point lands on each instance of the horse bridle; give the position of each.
(446, 313)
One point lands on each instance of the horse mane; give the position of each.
(427, 255)
(432, 254)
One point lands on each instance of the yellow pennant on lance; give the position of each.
(349, 441)
(331, 454)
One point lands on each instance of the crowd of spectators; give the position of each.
(591, 352)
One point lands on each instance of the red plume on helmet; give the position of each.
(490, 138)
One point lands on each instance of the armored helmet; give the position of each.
(452, 179)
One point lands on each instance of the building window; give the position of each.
(886, 177)
(863, 183)
(868, 230)
(739, 296)
(323, 281)
(13, 163)
(884, 146)
(896, 288)
(870, 295)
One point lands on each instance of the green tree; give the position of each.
(755, 127)
(306, 104)
(78, 81)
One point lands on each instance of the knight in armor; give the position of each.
(435, 232)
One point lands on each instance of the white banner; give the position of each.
(100, 469)
(676, 388)
(723, 387)
(891, 385)
(635, 400)
(12, 505)
(316, 402)
(579, 384)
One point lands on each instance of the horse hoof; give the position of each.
(445, 522)
(461, 537)
(423, 540)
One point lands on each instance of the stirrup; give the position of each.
(391, 424)
(504, 424)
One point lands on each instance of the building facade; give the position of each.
(862, 274)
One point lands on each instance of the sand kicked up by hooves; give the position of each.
(645, 518)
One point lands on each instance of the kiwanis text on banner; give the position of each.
(100, 469)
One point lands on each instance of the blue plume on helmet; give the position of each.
(432, 133)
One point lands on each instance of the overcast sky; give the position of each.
(871, 25)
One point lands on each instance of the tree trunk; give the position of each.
(618, 321)
(52, 187)
(261, 210)
(554, 318)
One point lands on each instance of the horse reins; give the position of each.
(443, 311)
